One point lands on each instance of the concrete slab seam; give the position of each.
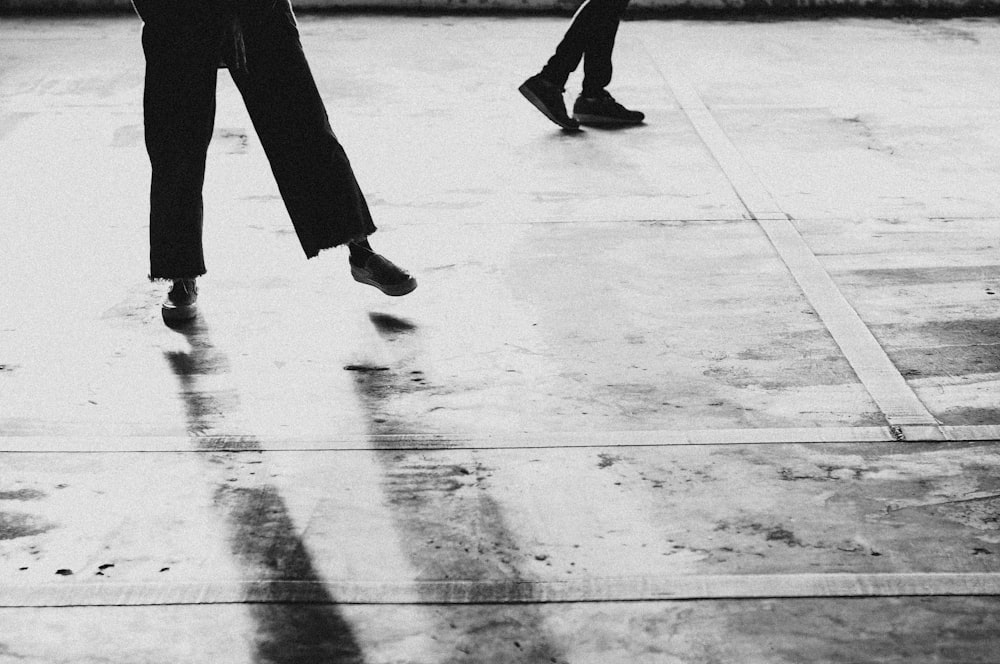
(874, 369)
(598, 589)
(511, 441)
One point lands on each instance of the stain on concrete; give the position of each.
(822, 473)
(789, 360)
(952, 332)
(22, 494)
(868, 133)
(950, 348)
(141, 306)
(231, 140)
(607, 460)
(9, 122)
(969, 416)
(770, 533)
(946, 361)
(980, 513)
(862, 630)
(128, 136)
(15, 525)
(894, 277)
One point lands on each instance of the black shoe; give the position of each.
(381, 273)
(547, 97)
(602, 109)
(182, 301)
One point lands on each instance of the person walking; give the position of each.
(590, 37)
(185, 42)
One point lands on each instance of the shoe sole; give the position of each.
(179, 314)
(601, 121)
(540, 105)
(395, 290)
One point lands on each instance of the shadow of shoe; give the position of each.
(391, 327)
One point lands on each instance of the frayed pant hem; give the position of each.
(160, 280)
(342, 243)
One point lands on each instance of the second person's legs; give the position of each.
(590, 37)
(597, 67)
(589, 27)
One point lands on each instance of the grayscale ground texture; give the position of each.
(721, 388)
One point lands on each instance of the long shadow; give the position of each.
(261, 533)
(452, 528)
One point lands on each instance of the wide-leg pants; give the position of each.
(184, 42)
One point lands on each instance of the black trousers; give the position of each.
(591, 36)
(184, 42)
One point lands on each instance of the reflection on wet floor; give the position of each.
(452, 529)
(262, 536)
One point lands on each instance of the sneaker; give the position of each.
(547, 97)
(182, 301)
(380, 272)
(602, 109)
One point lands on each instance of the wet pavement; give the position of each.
(719, 388)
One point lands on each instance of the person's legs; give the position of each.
(591, 37)
(180, 40)
(595, 106)
(314, 175)
(584, 29)
(600, 45)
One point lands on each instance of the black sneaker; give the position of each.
(547, 97)
(381, 273)
(602, 109)
(182, 301)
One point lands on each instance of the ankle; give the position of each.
(360, 251)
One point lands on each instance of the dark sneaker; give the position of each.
(602, 109)
(547, 97)
(182, 301)
(381, 273)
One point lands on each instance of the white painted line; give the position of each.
(513, 440)
(480, 441)
(873, 367)
(752, 193)
(876, 372)
(613, 589)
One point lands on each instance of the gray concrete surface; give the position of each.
(719, 388)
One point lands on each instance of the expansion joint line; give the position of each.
(458, 592)
(906, 415)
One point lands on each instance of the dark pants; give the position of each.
(184, 41)
(591, 37)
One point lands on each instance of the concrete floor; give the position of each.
(719, 388)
